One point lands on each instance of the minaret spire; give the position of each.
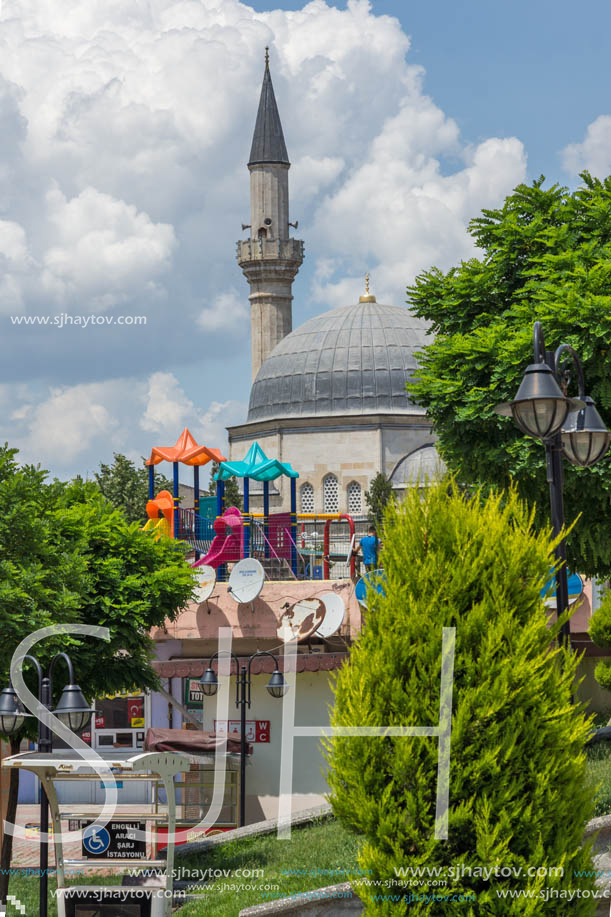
(269, 259)
(268, 140)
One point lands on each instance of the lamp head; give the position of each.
(209, 682)
(539, 407)
(12, 714)
(72, 709)
(585, 438)
(277, 686)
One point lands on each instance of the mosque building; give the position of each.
(332, 396)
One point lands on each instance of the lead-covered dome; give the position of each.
(353, 360)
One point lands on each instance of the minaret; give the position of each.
(269, 258)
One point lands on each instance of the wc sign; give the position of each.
(256, 730)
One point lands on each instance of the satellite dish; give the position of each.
(246, 580)
(374, 580)
(206, 581)
(575, 584)
(301, 620)
(334, 616)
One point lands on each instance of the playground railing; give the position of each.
(271, 549)
(195, 530)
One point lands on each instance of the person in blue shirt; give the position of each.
(370, 546)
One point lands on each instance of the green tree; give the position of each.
(67, 555)
(127, 487)
(517, 790)
(546, 254)
(377, 498)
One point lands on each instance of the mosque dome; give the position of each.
(418, 468)
(353, 360)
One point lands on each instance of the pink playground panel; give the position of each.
(228, 544)
(279, 532)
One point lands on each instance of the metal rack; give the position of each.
(158, 767)
(196, 794)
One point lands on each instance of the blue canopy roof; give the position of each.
(256, 466)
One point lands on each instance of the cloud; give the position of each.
(398, 213)
(228, 311)
(75, 427)
(126, 129)
(169, 409)
(310, 176)
(167, 406)
(594, 151)
(105, 250)
(68, 422)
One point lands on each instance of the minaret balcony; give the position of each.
(270, 250)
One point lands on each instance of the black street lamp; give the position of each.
(277, 687)
(566, 425)
(73, 712)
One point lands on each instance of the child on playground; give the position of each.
(370, 546)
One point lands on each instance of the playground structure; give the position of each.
(289, 545)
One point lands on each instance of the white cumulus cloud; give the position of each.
(594, 151)
(228, 311)
(104, 249)
(126, 129)
(167, 406)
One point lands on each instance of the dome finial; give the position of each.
(368, 297)
(267, 57)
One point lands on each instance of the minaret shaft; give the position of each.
(269, 200)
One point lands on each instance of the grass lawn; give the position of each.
(298, 864)
(319, 854)
(26, 889)
(324, 845)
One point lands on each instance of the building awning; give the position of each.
(195, 668)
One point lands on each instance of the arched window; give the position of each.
(263, 233)
(306, 494)
(330, 494)
(355, 502)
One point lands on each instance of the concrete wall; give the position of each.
(312, 699)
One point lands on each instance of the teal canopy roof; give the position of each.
(256, 466)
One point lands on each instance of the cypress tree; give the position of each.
(517, 790)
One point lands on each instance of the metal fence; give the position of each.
(271, 544)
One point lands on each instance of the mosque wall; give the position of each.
(398, 442)
(352, 452)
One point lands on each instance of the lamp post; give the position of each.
(73, 712)
(572, 426)
(277, 687)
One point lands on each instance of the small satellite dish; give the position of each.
(374, 580)
(206, 581)
(246, 580)
(334, 616)
(301, 620)
(575, 584)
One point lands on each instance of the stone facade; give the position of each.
(353, 449)
(270, 266)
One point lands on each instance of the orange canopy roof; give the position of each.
(185, 450)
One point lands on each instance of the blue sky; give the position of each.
(126, 127)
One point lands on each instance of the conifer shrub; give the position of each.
(518, 794)
(600, 634)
